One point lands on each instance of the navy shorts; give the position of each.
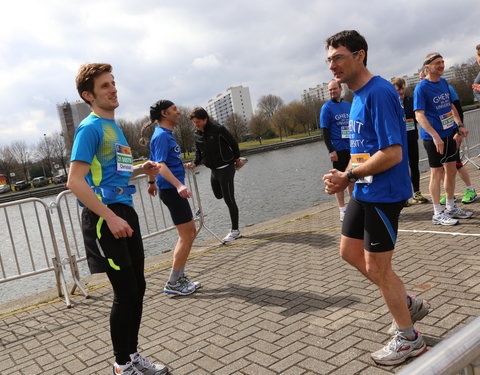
(179, 207)
(374, 223)
(436, 160)
(343, 159)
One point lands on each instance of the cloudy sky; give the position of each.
(190, 50)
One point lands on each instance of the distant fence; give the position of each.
(60, 241)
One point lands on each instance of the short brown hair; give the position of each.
(87, 73)
(199, 113)
(399, 82)
(478, 49)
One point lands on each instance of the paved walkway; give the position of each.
(278, 301)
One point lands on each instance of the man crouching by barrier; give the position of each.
(101, 166)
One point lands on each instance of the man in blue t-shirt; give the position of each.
(382, 185)
(334, 123)
(101, 165)
(476, 82)
(442, 131)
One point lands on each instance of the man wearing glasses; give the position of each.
(379, 161)
(442, 131)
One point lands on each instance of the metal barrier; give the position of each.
(457, 354)
(471, 144)
(152, 218)
(22, 245)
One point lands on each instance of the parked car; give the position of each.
(40, 181)
(5, 188)
(21, 185)
(60, 179)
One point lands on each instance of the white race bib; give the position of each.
(359, 159)
(124, 158)
(447, 120)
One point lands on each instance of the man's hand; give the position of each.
(184, 192)
(462, 131)
(335, 181)
(152, 190)
(151, 168)
(119, 227)
(239, 163)
(476, 87)
(333, 156)
(190, 165)
(439, 144)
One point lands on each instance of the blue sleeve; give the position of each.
(418, 99)
(476, 94)
(85, 145)
(453, 94)
(388, 121)
(159, 148)
(324, 117)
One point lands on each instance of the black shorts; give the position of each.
(375, 223)
(343, 159)
(179, 207)
(102, 249)
(436, 160)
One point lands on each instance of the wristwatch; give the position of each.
(350, 176)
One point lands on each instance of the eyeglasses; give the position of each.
(338, 58)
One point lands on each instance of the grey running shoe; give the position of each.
(130, 370)
(197, 284)
(145, 367)
(443, 219)
(233, 235)
(399, 349)
(458, 213)
(418, 310)
(182, 287)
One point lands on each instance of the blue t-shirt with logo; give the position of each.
(164, 148)
(434, 98)
(100, 142)
(334, 116)
(377, 121)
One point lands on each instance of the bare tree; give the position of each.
(19, 151)
(259, 126)
(44, 151)
(184, 131)
(8, 164)
(59, 150)
(269, 104)
(299, 116)
(281, 122)
(131, 130)
(237, 126)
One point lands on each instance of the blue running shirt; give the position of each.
(434, 98)
(164, 148)
(101, 143)
(334, 116)
(377, 121)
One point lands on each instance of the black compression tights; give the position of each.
(222, 186)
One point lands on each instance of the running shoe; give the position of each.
(399, 349)
(130, 370)
(419, 198)
(458, 213)
(443, 219)
(182, 287)
(233, 235)
(145, 367)
(418, 310)
(443, 199)
(469, 196)
(197, 284)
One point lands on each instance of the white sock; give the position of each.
(450, 204)
(342, 209)
(437, 209)
(470, 188)
(121, 367)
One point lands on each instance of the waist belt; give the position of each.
(111, 192)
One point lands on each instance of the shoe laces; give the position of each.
(143, 361)
(131, 370)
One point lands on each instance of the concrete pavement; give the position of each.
(278, 301)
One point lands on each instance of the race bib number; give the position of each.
(447, 120)
(359, 159)
(124, 158)
(345, 132)
(410, 124)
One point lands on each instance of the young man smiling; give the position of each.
(382, 185)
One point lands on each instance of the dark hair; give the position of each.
(199, 113)
(399, 82)
(155, 115)
(478, 49)
(351, 40)
(86, 75)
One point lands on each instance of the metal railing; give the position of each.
(59, 239)
(457, 354)
(22, 244)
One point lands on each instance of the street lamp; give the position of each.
(47, 149)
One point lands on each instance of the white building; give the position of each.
(233, 100)
(319, 92)
(71, 114)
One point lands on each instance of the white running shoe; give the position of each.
(233, 235)
(145, 367)
(458, 213)
(443, 219)
(399, 349)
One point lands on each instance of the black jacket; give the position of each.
(215, 146)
